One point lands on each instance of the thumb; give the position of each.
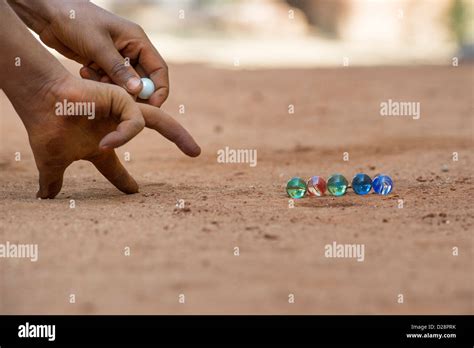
(117, 68)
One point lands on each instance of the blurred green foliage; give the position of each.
(461, 20)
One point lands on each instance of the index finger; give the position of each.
(157, 70)
(163, 123)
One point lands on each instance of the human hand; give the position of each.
(100, 41)
(58, 140)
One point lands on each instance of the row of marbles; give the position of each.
(337, 185)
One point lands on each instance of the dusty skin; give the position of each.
(190, 251)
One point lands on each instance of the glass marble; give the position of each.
(147, 89)
(382, 184)
(316, 186)
(361, 184)
(296, 188)
(337, 185)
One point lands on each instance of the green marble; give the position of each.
(337, 185)
(296, 188)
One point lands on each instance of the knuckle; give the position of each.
(140, 123)
(119, 69)
(138, 29)
(116, 91)
(122, 95)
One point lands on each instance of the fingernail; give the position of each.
(104, 145)
(133, 83)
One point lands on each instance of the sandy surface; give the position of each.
(191, 251)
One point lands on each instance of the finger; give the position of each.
(140, 71)
(156, 68)
(48, 37)
(109, 165)
(93, 65)
(114, 65)
(50, 181)
(158, 120)
(106, 79)
(89, 74)
(131, 119)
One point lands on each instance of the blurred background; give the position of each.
(279, 33)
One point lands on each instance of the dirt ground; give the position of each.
(190, 251)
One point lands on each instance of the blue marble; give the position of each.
(382, 184)
(361, 184)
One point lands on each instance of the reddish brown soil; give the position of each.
(191, 251)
